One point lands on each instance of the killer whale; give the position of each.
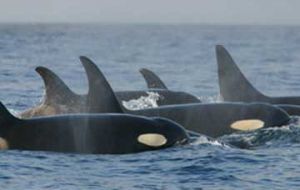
(216, 120)
(232, 79)
(60, 99)
(213, 120)
(89, 133)
(98, 133)
(152, 80)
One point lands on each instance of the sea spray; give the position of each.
(143, 102)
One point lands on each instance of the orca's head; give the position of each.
(173, 132)
(139, 133)
(162, 133)
(268, 114)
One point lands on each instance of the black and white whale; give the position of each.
(89, 133)
(60, 99)
(152, 80)
(209, 119)
(155, 83)
(219, 119)
(108, 133)
(235, 87)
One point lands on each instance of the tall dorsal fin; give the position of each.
(152, 80)
(100, 98)
(57, 92)
(234, 86)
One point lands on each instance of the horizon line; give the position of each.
(146, 23)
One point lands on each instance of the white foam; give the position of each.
(205, 140)
(143, 102)
(210, 99)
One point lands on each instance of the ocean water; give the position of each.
(184, 57)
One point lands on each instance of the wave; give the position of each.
(206, 140)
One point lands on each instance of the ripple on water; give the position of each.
(270, 159)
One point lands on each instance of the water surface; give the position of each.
(183, 56)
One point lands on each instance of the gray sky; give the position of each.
(153, 11)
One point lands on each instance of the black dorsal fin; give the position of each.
(152, 80)
(234, 86)
(57, 91)
(100, 98)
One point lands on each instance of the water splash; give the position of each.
(211, 99)
(206, 140)
(143, 102)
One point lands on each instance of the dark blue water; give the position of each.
(184, 58)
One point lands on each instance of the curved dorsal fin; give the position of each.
(56, 90)
(152, 80)
(234, 86)
(100, 98)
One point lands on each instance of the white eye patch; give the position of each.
(152, 139)
(3, 144)
(247, 124)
